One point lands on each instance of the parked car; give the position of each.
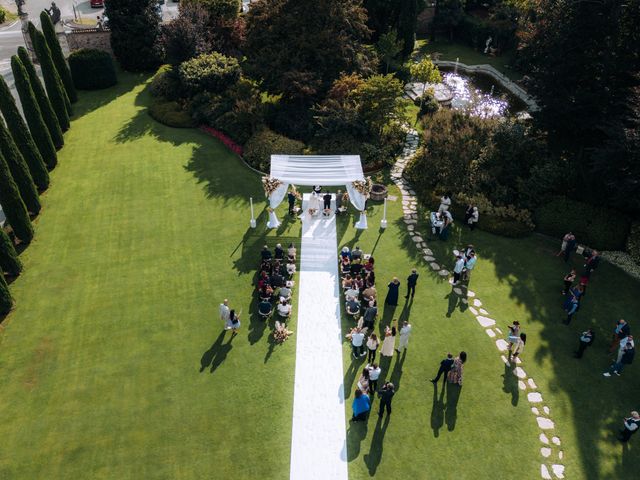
(97, 3)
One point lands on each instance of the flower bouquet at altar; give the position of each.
(280, 334)
(363, 186)
(270, 185)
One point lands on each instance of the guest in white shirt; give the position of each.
(445, 203)
(285, 294)
(457, 269)
(357, 339)
(224, 311)
(284, 309)
(374, 374)
(405, 331)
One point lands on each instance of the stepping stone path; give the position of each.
(548, 470)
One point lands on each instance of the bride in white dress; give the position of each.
(389, 343)
(314, 205)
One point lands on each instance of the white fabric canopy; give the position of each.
(317, 170)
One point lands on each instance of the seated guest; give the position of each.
(363, 381)
(361, 406)
(265, 253)
(353, 307)
(356, 268)
(263, 279)
(266, 292)
(370, 279)
(278, 267)
(284, 309)
(356, 254)
(345, 252)
(278, 252)
(369, 293)
(345, 265)
(276, 280)
(291, 252)
(264, 307)
(291, 268)
(347, 282)
(369, 265)
(285, 294)
(265, 266)
(436, 223)
(358, 282)
(351, 294)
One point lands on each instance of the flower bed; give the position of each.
(230, 144)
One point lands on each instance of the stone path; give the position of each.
(550, 451)
(318, 439)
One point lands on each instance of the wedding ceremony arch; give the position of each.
(325, 170)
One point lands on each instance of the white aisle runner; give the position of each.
(318, 440)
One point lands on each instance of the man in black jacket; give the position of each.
(445, 366)
(412, 281)
(386, 393)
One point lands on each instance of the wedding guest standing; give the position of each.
(445, 367)
(374, 374)
(363, 381)
(370, 316)
(386, 395)
(405, 331)
(339, 202)
(473, 220)
(456, 372)
(392, 294)
(626, 359)
(630, 426)
(569, 278)
(389, 342)
(326, 200)
(224, 311)
(372, 347)
(571, 246)
(412, 281)
(361, 406)
(518, 346)
(586, 340)
(445, 203)
(621, 331)
(291, 197)
(357, 339)
(233, 323)
(470, 264)
(565, 241)
(457, 269)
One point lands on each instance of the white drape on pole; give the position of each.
(275, 199)
(359, 201)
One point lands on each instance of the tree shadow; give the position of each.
(217, 353)
(451, 411)
(510, 383)
(88, 101)
(373, 458)
(437, 409)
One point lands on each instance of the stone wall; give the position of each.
(89, 38)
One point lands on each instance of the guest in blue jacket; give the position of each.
(361, 406)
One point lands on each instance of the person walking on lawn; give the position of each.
(412, 281)
(571, 246)
(445, 366)
(386, 395)
(586, 340)
(621, 331)
(405, 331)
(631, 425)
(626, 359)
(224, 311)
(569, 278)
(374, 375)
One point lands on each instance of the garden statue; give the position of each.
(19, 4)
(54, 12)
(487, 45)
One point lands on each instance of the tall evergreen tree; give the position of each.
(407, 24)
(55, 90)
(9, 261)
(6, 301)
(135, 26)
(19, 171)
(48, 114)
(32, 113)
(22, 137)
(13, 206)
(58, 57)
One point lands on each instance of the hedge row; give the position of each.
(92, 69)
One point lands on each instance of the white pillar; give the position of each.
(383, 222)
(252, 222)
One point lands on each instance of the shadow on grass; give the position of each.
(217, 353)
(510, 383)
(373, 458)
(437, 409)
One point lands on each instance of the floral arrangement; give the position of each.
(270, 184)
(280, 334)
(363, 186)
(230, 144)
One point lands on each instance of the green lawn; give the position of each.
(114, 365)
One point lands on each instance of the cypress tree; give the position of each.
(9, 261)
(58, 57)
(12, 204)
(19, 171)
(6, 302)
(48, 114)
(55, 90)
(407, 24)
(22, 137)
(32, 113)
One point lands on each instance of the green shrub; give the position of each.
(633, 242)
(49, 32)
(9, 261)
(206, 107)
(217, 8)
(19, 170)
(32, 113)
(170, 113)
(13, 206)
(264, 143)
(3, 15)
(597, 227)
(22, 137)
(6, 302)
(212, 72)
(238, 126)
(429, 104)
(48, 114)
(165, 83)
(92, 69)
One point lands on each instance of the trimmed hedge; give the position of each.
(264, 143)
(6, 302)
(92, 69)
(33, 115)
(19, 170)
(633, 242)
(22, 137)
(217, 8)
(9, 261)
(55, 90)
(48, 115)
(597, 227)
(165, 83)
(13, 206)
(62, 68)
(211, 72)
(170, 114)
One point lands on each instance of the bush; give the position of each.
(239, 127)
(170, 113)
(3, 15)
(9, 261)
(211, 72)
(217, 8)
(13, 206)
(92, 69)
(597, 227)
(165, 83)
(507, 221)
(429, 104)
(265, 143)
(207, 107)
(51, 37)
(633, 242)
(6, 302)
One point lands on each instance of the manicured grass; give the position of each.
(452, 51)
(114, 363)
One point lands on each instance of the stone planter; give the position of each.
(378, 192)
